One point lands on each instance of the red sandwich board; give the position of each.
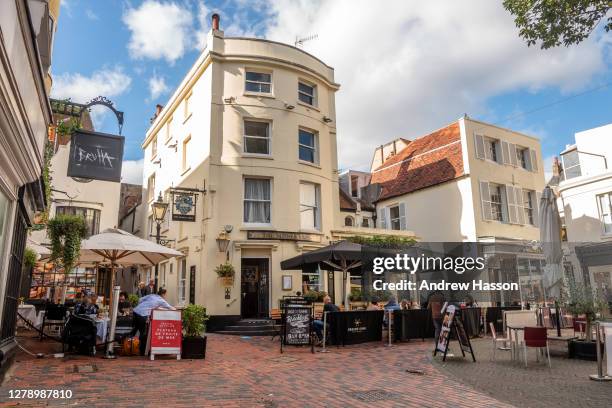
(165, 332)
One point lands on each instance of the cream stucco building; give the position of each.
(585, 197)
(467, 182)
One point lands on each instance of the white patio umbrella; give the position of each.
(550, 237)
(119, 247)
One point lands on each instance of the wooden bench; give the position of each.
(277, 318)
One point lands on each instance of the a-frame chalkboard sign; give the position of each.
(297, 326)
(452, 325)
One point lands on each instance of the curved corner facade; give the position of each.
(252, 124)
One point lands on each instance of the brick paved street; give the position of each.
(252, 373)
(249, 373)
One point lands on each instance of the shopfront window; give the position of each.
(90, 215)
(530, 277)
(46, 278)
(311, 280)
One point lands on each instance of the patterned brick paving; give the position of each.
(252, 373)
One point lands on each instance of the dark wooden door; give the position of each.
(192, 283)
(249, 289)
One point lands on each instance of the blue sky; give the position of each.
(403, 71)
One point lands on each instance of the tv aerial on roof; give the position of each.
(299, 42)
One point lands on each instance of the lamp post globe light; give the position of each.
(159, 208)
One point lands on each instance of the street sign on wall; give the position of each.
(96, 156)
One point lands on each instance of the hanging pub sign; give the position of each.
(95, 156)
(184, 205)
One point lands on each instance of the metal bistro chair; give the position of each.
(54, 319)
(496, 340)
(536, 337)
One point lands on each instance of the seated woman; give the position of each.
(88, 306)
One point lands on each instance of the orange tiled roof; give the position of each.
(426, 161)
(346, 202)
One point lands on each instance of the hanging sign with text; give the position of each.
(95, 156)
(166, 332)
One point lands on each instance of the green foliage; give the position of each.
(133, 299)
(383, 241)
(194, 320)
(66, 233)
(315, 295)
(225, 270)
(376, 295)
(558, 22)
(29, 258)
(356, 295)
(582, 300)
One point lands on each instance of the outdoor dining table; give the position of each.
(514, 337)
(28, 312)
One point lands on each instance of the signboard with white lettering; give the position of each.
(297, 327)
(184, 206)
(96, 156)
(283, 236)
(165, 333)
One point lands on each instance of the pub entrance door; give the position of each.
(254, 288)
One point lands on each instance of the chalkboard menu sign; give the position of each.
(297, 326)
(96, 156)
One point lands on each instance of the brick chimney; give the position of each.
(215, 22)
(556, 167)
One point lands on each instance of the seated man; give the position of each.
(328, 306)
(124, 306)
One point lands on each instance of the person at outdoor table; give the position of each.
(141, 291)
(150, 289)
(142, 313)
(391, 305)
(88, 306)
(436, 301)
(373, 305)
(415, 305)
(124, 305)
(404, 304)
(328, 306)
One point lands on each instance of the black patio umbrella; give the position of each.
(341, 256)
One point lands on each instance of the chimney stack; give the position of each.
(556, 167)
(158, 109)
(215, 22)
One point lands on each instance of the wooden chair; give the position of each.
(536, 337)
(277, 318)
(496, 339)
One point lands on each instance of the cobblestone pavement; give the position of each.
(251, 373)
(566, 384)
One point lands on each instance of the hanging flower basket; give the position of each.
(227, 281)
(226, 273)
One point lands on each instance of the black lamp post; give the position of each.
(159, 208)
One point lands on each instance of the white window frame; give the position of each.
(258, 71)
(317, 206)
(245, 136)
(315, 148)
(605, 212)
(244, 200)
(151, 187)
(313, 95)
(182, 282)
(496, 144)
(154, 147)
(349, 217)
(487, 202)
(185, 156)
(169, 129)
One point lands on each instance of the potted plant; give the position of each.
(226, 273)
(133, 299)
(356, 298)
(194, 327)
(582, 301)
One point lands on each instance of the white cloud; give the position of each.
(91, 15)
(159, 30)
(80, 88)
(548, 162)
(131, 171)
(407, 68)
(157, 87)
(203, 26)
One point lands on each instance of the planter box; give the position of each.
(584, 350)
(194, 347)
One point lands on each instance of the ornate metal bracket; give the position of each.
(104, 101)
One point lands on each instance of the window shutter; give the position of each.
(536, 209)
(534, 160)
(479, 143)
(528, 162)
(485, 200)
(520, 205)
(382, 222)
(402, 211)
(505, 152)
(512, 154)
(512, 210)
(498, 151)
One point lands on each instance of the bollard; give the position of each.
(113, 323)
(324, 349)
(389, 323)
(600, 375)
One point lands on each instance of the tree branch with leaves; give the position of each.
(558, 22)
